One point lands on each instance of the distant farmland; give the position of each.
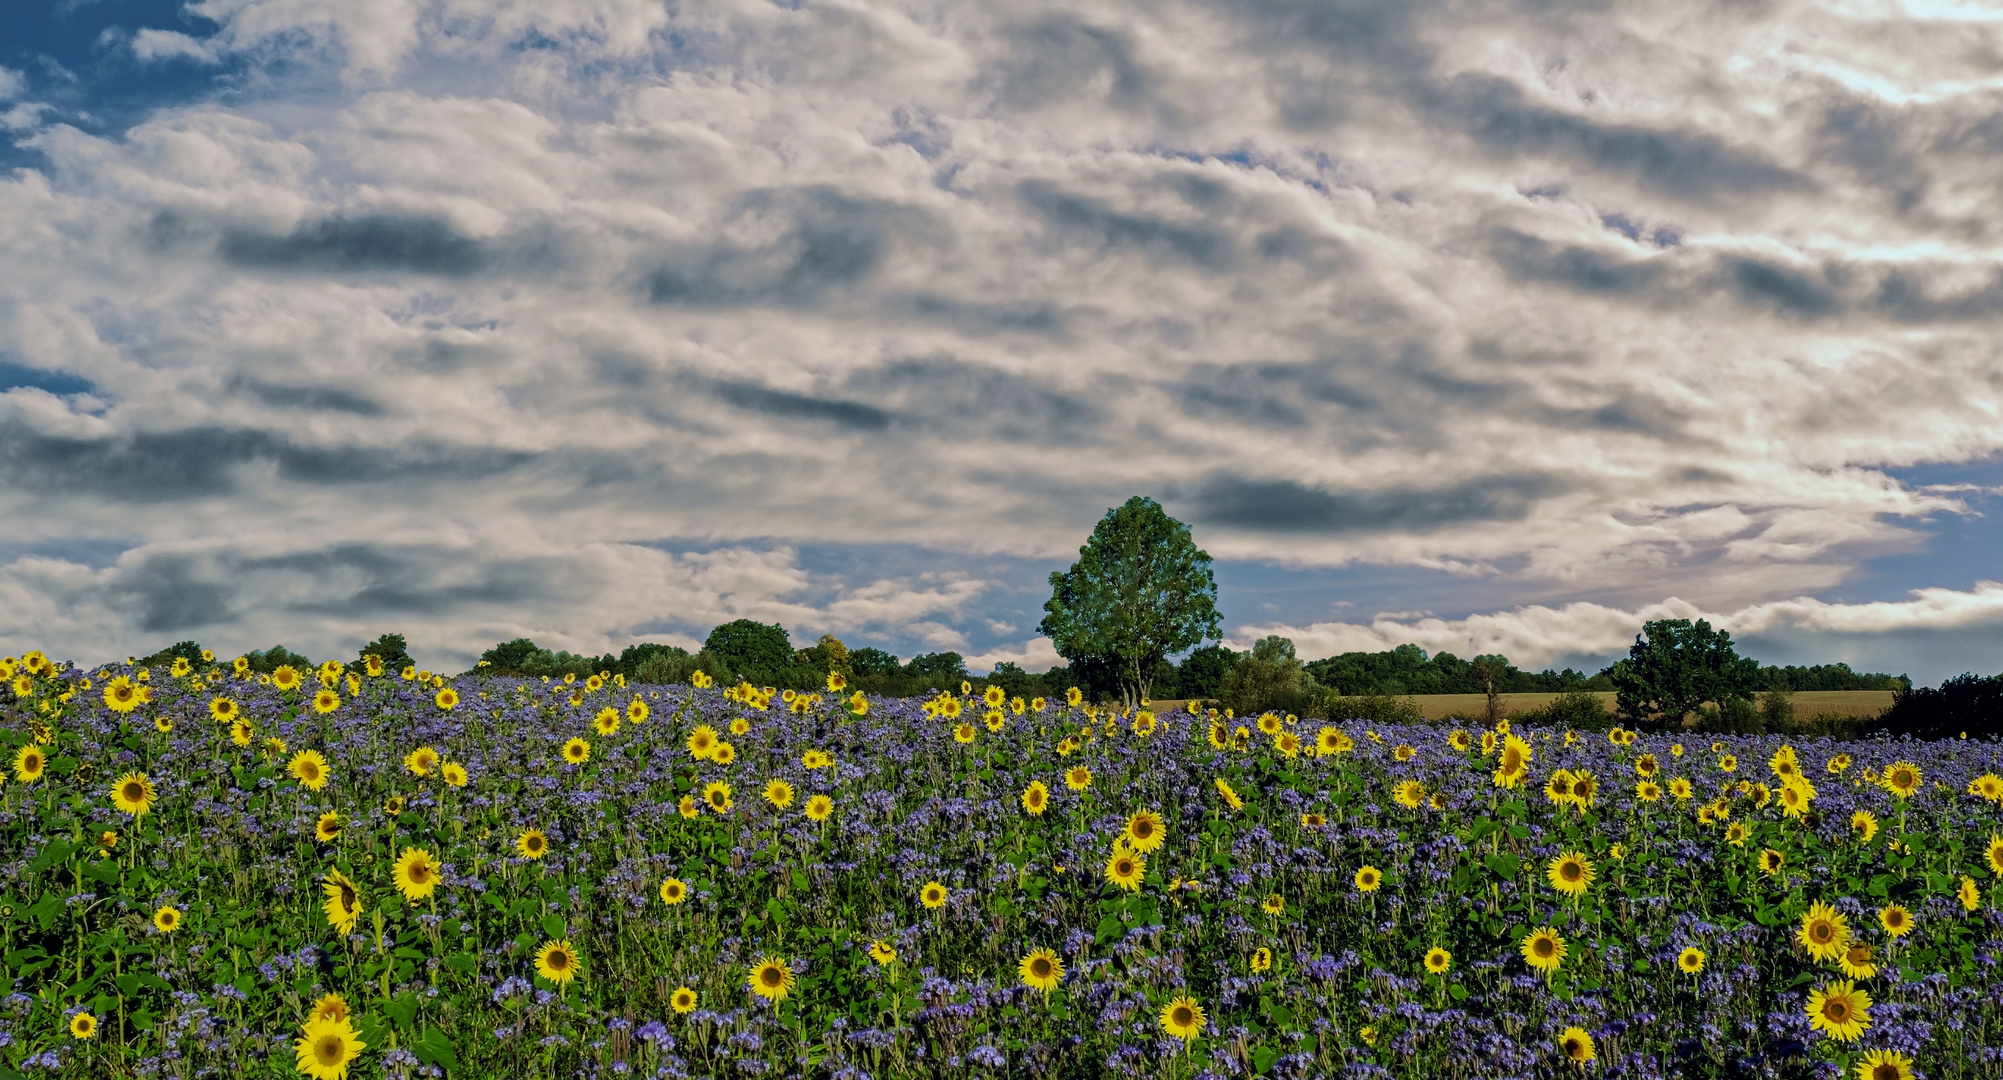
(1807, 703)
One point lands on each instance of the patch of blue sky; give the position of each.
(1958, 550)
(59, 383)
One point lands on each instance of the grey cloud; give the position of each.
(1054, 59)
(1084, 221)
(1284, 506)
(978, 317)
(853, 415)
(171, 596)
(380, 579)
(314, 398)
(1496, 114)
(1528, 258)
(1762, 283)
(832, 243)
(910, 398)
(373, 243)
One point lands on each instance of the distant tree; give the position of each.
(828, 656)
(1268, 677)
(1675, 666)
(511, 657)
(1015, 682)
(943, 669)
(1490, 671)
(1203, 671)
(269, 660)
(191, 651)
(759, 652)
(1140, 590)
(869, 661)
(1965, 703)
(391, 648)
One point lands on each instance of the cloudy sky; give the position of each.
(1486, 327)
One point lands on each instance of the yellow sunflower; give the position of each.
(1438, 960)
(326, 701)
(29, 763)
(343, 903)
(674, 891)
(328, 828)
(779, 793)
(310, 769)
(1125, 869)
(1078, 778)
(1408, 794)
(1901, 778)
(933, 895)
(1544, 950)
(1897, 921)
(285, 677)
(1691, 960)
(421, 761)
(684, 1000)
(532, 844)
(717, 795)
(557, 961)
(1839, 1010)
(701, 742)
(1229, 794)
(819, 807)
(1865, 824)
(83, 1025)
(1571, 873)
(771, 978)
(223, 709)
(1274, 905)
(1824, 932)
(1182, 1018)
(577, 751)
(816, 759)
(1857, 961)
(453, 773)
(964, 732)
(1368, 878)
(133, 794)
(1035, 797)
(1772, 861)
(1969, 894)
(606, 722)
(242, 731)
(1144, 831)
(1041, 970)
(331, 1006)
(1995, 854)
(882, 953)
(724, 754)
(416, 874)
(1884, 1065)
(1577, 1045)
(167, 919)
(121, 696)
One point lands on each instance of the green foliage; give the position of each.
(191, 651)
(1827, 677)
(1267, 678)
(871, 661)
(266, 661)
(1204, 670)
(1777, 709)
(1140, 590)
(1579, 710)
(1970, 703)
(1408, 670)
(1368, 708)
(1676, 666)
(756, 650)
(395, 654)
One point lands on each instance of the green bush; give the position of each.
(1578, 710)
(1369, 708)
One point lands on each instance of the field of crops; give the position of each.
(214, 873)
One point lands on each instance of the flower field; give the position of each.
(332, 873)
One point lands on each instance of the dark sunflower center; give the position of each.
(559, 960)
(771, 976)
(330, 1050)
(134, 792)
(349, 900)
(420, 873)
(1860, 954)
(1143, 829)
(1542, 947)
(1124, 868)
(1182, 1016)
(1822, 931)
(1885, 1072)
(1573, 1048)
(1040, 968)
(1836, 1010)
(1570, 871)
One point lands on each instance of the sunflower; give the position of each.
(285, 677)
(819, 807)
(242, 731)
(163, 724)
(1368, 878)
(344, 901)
(1771, 862)
(223, 709)
(1995, 850)
(701, 742)
(421, 761)
(1969, 894)
(1312, 820)
(683, 1000)
(133, 794)
(1728, 763)
(1679, 788)
(328, 828)
(1042, 970)
(1691, 960)
(1182, 1018)
(1144, 831)
(577, 751)
(688, 807)
(532, 844)
(1460, 740)
(1865, 824)
(83, 1025)
(29, 763)
(1078, 778)
(717, 795)
(1901, 778)
(453, 773)
(1571, 873)
(557, 961)
(1856, 961)
(1577, 1045)
(1897, 921)
(1884, 1065)
(120, 695)
(1839, 1010)
(1274, 905)
(1544, 950)
(964, 732)
(741, 726)
(1824, 932)
(816, 759)
(882, 952)
(1125, 869)
(1035, 797)
(1229, 794)
(1438, 960)
(326, 701)
(310, 769)
(416, 874)
(1408, 794)
(606, 722)
(167, 919)
(1330, 740)
(933, 895)
(771, 979)
(393, 805)
(331, 1006)
(724, 754)
(1558, 787)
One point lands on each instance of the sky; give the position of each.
(1489, 328)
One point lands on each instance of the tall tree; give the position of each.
(1675, 666)
(1140, 590)
(756, 650)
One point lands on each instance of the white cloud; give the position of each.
(12, 84)
(1605, 306)
(1036, 654)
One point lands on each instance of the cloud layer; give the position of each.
(464, 318)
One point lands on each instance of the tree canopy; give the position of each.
(1675, 666)
(1140, 590)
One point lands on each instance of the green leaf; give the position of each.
(1504, 864)
(435, 1049)
(552, 925)
(1457, 992)
(464, 963)
(1263, 1058)
(1110, 929)
(402, 1010)
(56, 851)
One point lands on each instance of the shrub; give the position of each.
(1970, 703)
(1579, 710)
(1370, 708)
